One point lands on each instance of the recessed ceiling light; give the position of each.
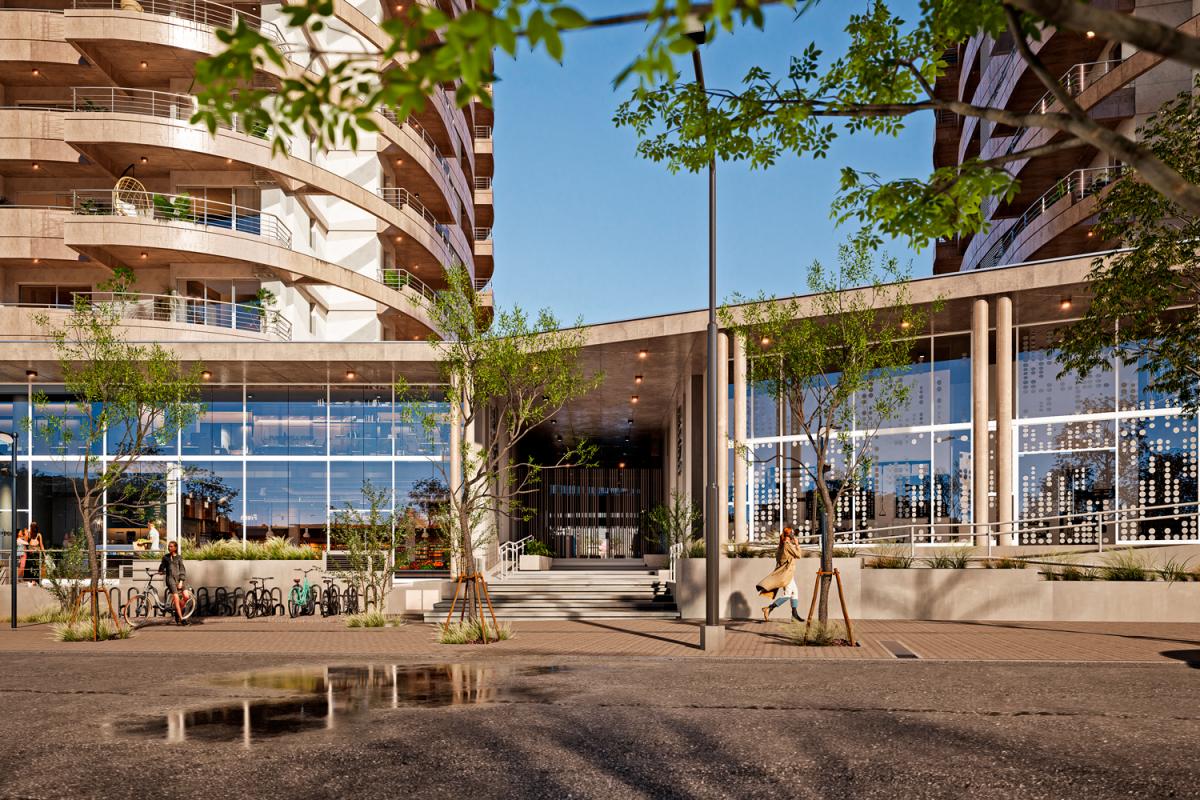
(206, 374)
(765, 341)
(36, 165)
(399, 239)
(37, 261)
(349, 374)
(144, 159)
(621, 465)
(633, 399)
(36, 72)
(145, 254)
(905, 324)
(144, 65)
(1065, 303)
(643, 353)
(30, 374)
(637, 379)
(1090, 34)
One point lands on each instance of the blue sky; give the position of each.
(587, 228)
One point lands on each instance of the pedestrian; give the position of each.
(37, 552)
(176, 575)
(155, 536)
(780, 584)
(22, 554)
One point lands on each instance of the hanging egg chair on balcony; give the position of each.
(130, 199)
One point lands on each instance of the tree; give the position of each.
(139, 396)
(504, 376)
(675, 522)
(887, 74)
(1135, 292)
(367, 533)
(834, 363)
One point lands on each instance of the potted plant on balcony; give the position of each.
(537, 557)
(264, 301)
(173, 209)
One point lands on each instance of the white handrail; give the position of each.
(673, 556)
(510, 557)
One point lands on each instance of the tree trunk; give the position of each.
(827, 516)
(89, 510)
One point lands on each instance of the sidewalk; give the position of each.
(952, 641)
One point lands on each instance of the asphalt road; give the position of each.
(98, 726)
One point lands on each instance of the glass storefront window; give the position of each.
(361, 419)
(55, 509)
(952, 379)
(346, 480)
(218, 430)
(266, 499)
(211, 500)
(1157, 459)
(67, 438)
(1041, 393)
(914, 378)
(286, 421)
(138, 499)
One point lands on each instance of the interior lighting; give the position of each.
(643, 353)
(765, 341)
(349, 374)
(637, 379)
(1065, 304)
(633, 399)
(30, 374)
(621, 465)
(1090, 234)
(905, 324)
(1090, 34)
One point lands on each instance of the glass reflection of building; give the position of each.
(1100, 443)
(259, 461)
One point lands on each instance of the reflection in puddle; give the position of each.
(335, 694)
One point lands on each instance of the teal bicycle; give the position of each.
(302, 601)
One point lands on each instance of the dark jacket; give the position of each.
(173, 567)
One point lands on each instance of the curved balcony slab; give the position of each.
(96, 133)
(17, 322)
(28, 233)
(117, 238)
(445, 173)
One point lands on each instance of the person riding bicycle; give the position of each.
(176, 574)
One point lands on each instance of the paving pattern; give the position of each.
(950, 641)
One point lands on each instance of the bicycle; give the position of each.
(303, 597)
(330, 602)
(141, 604)
(260, 600)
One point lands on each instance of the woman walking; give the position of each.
(22, 554)
(780, 584)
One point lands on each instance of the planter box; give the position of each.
(533, 563)
(954, 594)
(657, 561)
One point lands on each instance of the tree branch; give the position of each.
(1038, 68)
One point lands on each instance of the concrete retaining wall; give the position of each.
(30, 600)
(948, 594)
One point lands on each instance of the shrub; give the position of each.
(1005, 563)
(369, 619)
(48, 616)
(959, 558)
(694, 550)
(846, 552)
(536, 547)
(818, 635)
(275, 548)
(470, 632)
(894, 556)
(1175, 569)
(81, 631)
(1125, 565)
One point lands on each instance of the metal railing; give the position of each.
(167, 105)
(1075, 80)
(179, 309)
(483, 133)
(399, 279)
(1077, 185)
(420, 131)
(483, 234)
(402, 199)
(483, 183)
(510, 557)
(673, 555)
(180, 208)
(203, 12)
(1086, 528)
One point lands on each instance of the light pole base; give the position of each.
(712, 638)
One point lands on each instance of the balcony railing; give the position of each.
(403, 199)
(395, 278)
(177, 309)
(168, 105)
(1075, 81)
(483, 133)
(203, 12)
(180, 208)
(483, 234)
(416, 127)
(1077, 185)
(483, 183)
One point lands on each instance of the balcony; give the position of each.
(1066, 204)
(451, 238)
(238, 320)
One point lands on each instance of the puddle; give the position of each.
(330, 696)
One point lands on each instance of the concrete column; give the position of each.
(723, 435)
(979, 419)
(741, 527)
(1004, 419)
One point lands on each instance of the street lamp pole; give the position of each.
(712, 634)
(13, 438)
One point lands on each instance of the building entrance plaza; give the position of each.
(290, 432)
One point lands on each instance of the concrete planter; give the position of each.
(739, 600)
(533, 563)
(657, 560)
(947, 594)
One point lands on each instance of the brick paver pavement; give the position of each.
(954, 641)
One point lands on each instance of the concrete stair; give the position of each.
(575, 591)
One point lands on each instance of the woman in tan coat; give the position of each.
(780, 584)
